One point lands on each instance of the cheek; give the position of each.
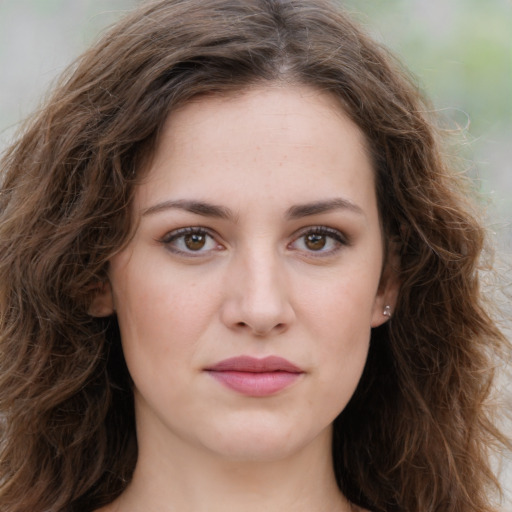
(344, 303)
(342, 355)
(161, 315)
(339, 319)
(343, 326)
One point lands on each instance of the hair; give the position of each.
(416, 434)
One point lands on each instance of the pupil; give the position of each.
(315, 242)
(195, 242)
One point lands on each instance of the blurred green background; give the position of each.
(460, 52)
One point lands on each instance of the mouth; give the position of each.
(255, 377)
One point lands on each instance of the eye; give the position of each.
(319, 239)
(315, 241)
(190, 241)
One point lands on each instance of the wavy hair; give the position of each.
(416, 435)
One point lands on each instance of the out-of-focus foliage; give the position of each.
(461, 50)
(461, 53)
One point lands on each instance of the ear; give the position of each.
(387, 293)
(102, 304)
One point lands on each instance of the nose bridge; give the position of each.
(264, 279)
(260, 300)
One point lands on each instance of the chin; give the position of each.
(262, 441)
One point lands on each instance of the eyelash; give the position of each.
(323, 231)
(338, 237)
(178, 234)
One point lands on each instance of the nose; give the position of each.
(257, 297)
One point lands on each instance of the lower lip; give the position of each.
(255, 384)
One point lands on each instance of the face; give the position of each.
(247, 295)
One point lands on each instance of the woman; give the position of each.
(237, 274)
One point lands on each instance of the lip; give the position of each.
(255, 377)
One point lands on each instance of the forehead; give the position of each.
(283, 108)
(291, 141)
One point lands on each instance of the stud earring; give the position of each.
(387, 311)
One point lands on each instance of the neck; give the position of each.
(173, 475)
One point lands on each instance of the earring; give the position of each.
(387, 311)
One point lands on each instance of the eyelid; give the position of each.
(189, 230)
(338, 236)
(176, 234)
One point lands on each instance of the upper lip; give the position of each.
(255, 365)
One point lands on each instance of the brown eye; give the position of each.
(195, 241)
(315, 241)
(192, 242)
(319, 241)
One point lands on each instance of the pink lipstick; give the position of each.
(255, 377)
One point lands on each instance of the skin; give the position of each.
(264, 275)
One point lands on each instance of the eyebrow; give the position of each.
(317, 207)
(197, 207)
(221, 212)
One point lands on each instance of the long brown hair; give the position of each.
(415, 436)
